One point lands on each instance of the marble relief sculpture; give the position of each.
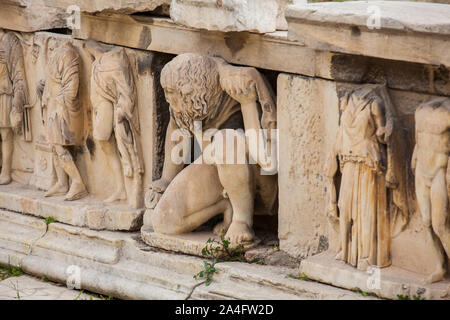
(116, 122)
(364, 154)
(220, 96)
(63, 116)
(430, 164)
(13, 95)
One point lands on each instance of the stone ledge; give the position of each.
(245, 15)
(393, 281)
(140, 272)
(87, 212)
(30, 15)
(404, 16)
(406, 33)
(189, 243)
(269, 51)
(126, 7)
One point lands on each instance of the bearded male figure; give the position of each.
(207, 89)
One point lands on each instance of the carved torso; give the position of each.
(358, 142)
(60, 96)
(433, 138)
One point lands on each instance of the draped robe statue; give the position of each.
(113, 96)
(13, 92)
(363, 151)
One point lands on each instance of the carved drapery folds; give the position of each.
(113, 96)
(63, 116)
(13, 97)
(372, 193)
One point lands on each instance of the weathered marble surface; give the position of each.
(87, 212)
(393, 281)
(30, 15)
(311, 107)
(226, 15)
(118, 264)
(409, 31)
(188, 243)
(32, 160)
(122, 6)
(26, 287)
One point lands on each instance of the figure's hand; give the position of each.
(151, 199)
(16, 119)
(239, 85)
(121, 115)
(332, 212)
(155, 192)
(40, 88)
(159, 185)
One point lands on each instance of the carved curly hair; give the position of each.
(196, 78)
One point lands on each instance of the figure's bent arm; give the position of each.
(170, 168)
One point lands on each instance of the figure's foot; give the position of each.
(436, 276)
(239, 232)
(221, 227)
(77, 191)
(339, 256)
(363, 265)
(116, 196)
(56, 190)
(5, 178)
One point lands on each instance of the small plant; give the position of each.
(14, 271)
(49, 220)
(257, 261)
(10, 271)
(208, 272)
(222, 251)
(16, 287)
(418, 297)
(219, 251)
(44, 278)
(402, 297)
(303, 277)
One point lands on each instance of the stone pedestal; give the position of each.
(391, 282)
(87, 212)
(189, 243)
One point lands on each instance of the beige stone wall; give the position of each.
(308, 118)
(89, 158)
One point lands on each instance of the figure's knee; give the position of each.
(7, 134)
(103, 121)
(166, 218)
(63, 153)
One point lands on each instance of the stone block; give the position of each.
(308, 118)
(87, 212)
(189, 243)
(30, 15)
(398, 30)
(126, 7)
(390, 283)
(226, 15)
